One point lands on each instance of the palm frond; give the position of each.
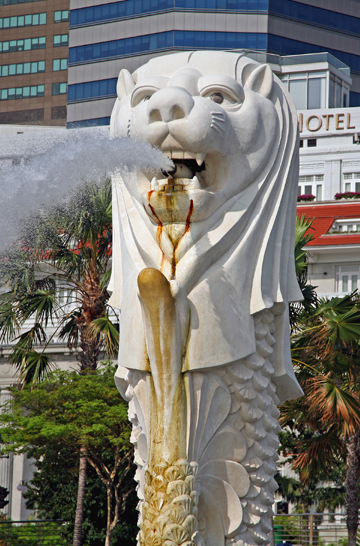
(108, 331)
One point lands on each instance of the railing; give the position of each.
(31, 533)
(311, 529)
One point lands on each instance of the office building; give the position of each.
(33, 61)
(106, 36)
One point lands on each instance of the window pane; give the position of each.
(318, 192)
(28, 20)
(42, 18)
(12, 69)
(41, 66)
(33, 68)
(20, 22)
(42, 42)
(316, 89)
(56, 64)
(337, 95)
(63, 64)
(353, 282)
(344, 283)
(57, 16)
(27, 67)
(19, 68)
(347, 186)
(35, 19)
(57, 39)
(26, 90)
(331, 93)
(298, 93)
(308, 190)
(40, 90)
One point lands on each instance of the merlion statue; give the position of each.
(203, 272)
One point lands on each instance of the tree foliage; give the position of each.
(63, 250)
(64, 413)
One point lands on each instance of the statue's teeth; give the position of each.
(195, 183)
(200, 158)
(153, 183)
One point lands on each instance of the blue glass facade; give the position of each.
(175, 39)
(92, 90)
(124, 10)
(188, 40)
(285, 8)
(94, 122)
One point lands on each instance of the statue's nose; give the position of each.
(169, 104)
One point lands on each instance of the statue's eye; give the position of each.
(147, 97)
(217, 97)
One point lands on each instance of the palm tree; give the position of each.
(326, 355)
(63, 250)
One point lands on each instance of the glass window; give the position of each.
(59, 88)
(27, 68)
(12, 69)
(318, 192)
(331, 93)
(35, 19)
(316, 93)
(344, 284)
(60, 40)
(59, 64)
(297, 90)
(60, 16)
(354, 279)
(337, 95)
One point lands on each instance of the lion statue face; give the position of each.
(211, 113)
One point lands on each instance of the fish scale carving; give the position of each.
(256, 414)
(170, 508)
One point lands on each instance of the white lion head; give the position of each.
(214, 119)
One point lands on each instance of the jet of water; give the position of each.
(53, 163)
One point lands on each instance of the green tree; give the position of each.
(326, 421)
(322, 427)
(63, 250)
(74, 411)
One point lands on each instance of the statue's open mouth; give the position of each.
(188, 173)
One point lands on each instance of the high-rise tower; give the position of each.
(33, 61)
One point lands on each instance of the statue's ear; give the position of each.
(260, 80)
(125, 84)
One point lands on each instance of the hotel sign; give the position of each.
(329, 122)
